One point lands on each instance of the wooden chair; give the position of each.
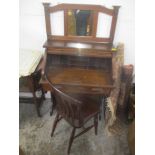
(76, 111)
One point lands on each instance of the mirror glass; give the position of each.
(79, 22)
(103, 25)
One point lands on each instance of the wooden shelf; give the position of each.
(99, 50)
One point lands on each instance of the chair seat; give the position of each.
(90, 107)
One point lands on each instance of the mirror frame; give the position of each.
(95, 8)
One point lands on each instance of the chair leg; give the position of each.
(53, 104)
(71, 139)
(96, 123)
(55, 124)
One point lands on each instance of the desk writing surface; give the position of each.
(79, 76)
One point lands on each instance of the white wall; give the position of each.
(32, 24)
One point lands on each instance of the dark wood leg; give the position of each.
(53, 104)
(36, 104)
(100, 116)
(96, 124)
(32, 88)
(43, 94)
(71, 139)
(104, 109)
(55, 124)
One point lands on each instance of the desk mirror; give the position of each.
(79, 22)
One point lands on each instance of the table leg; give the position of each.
(32, 88)
(43, 94)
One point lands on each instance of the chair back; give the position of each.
(67, 106)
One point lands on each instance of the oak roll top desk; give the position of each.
(79, 61)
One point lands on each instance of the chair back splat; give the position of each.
(68, 107)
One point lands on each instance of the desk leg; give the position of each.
(53, 104)
(102, 109)
(32, 88)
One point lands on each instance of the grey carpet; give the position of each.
(34, 136)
